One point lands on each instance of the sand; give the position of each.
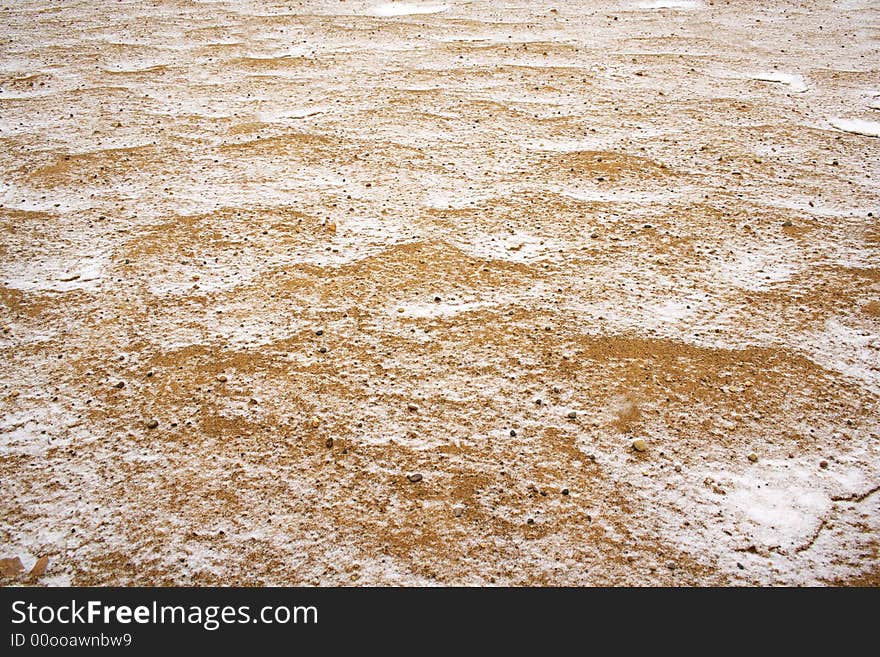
(263, 263)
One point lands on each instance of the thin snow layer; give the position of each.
(467, 165)
(58, 274)
(796, 83)
(849, 350)
(773, 506)
(857, 126)
(671, 4)
(406, 8)
(774, 521)
(516, 246)
(758, 268)
(448, 308)
(561, 145)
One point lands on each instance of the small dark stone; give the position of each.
(120, 385)
(530, 521)
(415, 478)
(152, 424)
(323, 350)
(319, 332)
(565, 491)
(538, 402)
(787, 224)
(823, 464)
(512, 433)
(572, 415)
(437, 299)
(329, 443)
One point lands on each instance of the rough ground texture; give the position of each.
(326, 246)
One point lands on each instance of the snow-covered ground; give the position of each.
(261, 264)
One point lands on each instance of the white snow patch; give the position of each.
(22, 432)
(449, 307)
(406, 8)
(797, 83)
(774, 516)
(57, 274)
(429, 310)
(857, 126)
(847, 350)
(304, 113)
(755, 269)
(560, 145)
(774, 506)
(512, 247)
(618, 195)
(671, 4)
(671, 311)
(452, 200)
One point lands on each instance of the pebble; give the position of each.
(787, 224)
(152, 424)
(823, 464)
(415, 478)
(458, 511)
(639, 445)
(572, 415)
(412, 408)
(319, 332)
(565, 491)
(677, 467)
(222, 378)
(513, 433)
(323, 350)
(315, 422)
(753, 457)
(329, 443)
(120, 385)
